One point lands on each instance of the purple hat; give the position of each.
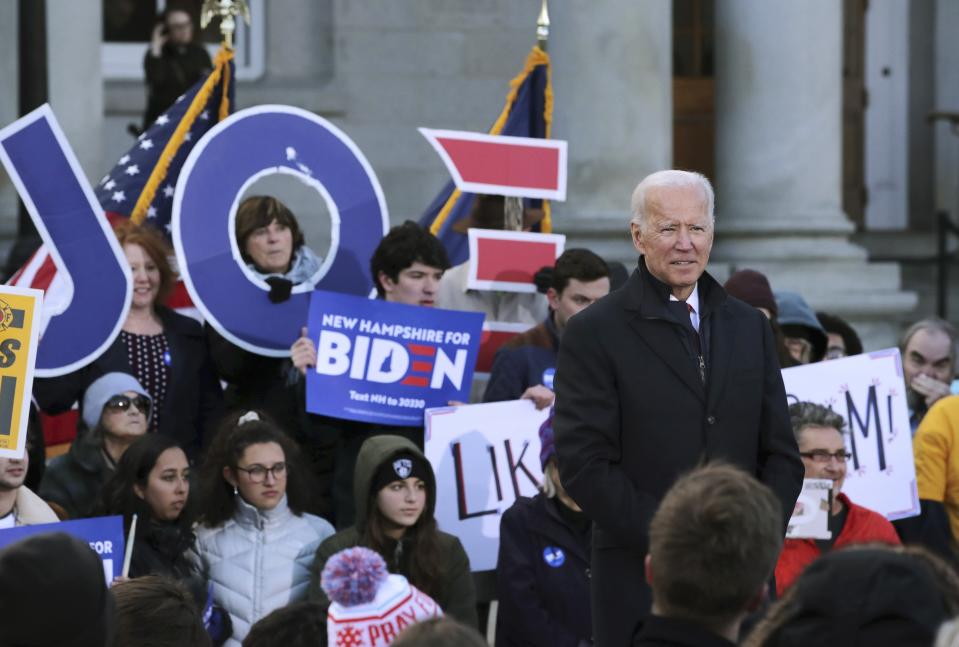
(547, 444)
(753, 288)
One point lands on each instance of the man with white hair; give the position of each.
(660, 376)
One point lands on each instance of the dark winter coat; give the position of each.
(75, 480)
(194, 400)
(633, 413)
(257, 382)
(673, 632)
(161, 549)
(542, 576)
(171, 74)
(526, 360)
(455, 592)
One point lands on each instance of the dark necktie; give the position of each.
(697, 341)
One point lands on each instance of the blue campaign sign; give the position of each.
(232, 155)
(104, 534)
(46, 174)
(386, 362)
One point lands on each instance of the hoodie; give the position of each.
(455, 591)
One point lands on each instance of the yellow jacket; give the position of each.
(936, 452)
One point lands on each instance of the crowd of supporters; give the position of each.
(245, 501)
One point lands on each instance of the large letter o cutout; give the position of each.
(250, 143)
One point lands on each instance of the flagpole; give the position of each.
(226, 11)
(542, 26)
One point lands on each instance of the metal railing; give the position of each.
(944, 228)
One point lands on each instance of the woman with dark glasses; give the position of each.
(116, 410)
(255, 542)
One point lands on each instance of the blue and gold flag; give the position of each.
(528, 113)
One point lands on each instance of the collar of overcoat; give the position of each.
(646, 297)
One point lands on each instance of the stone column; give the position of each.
(75, 76)
(9, 98)
(779, 162)
(612, 78)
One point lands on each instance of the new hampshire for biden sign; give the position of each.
(385, 363)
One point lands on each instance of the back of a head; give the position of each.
(154, 611)
(302, 624)
(52, 592)
(440, 632)
(862, 596)
(713, 544)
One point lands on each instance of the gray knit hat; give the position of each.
(104, 388)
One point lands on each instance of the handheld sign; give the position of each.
(810, 518)
(523, 167)
(19, 329)
(495, 334)
(384, 362)
(104, 534)
(508, 260)
(485, 456)
(868, 391)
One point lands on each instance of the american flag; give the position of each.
(128, 192)
(142, 183)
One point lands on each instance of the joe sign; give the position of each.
(384, 362)
(869, 392)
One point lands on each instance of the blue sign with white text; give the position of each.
(384, 362)
(104, 534)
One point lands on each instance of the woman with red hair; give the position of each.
(165, 351)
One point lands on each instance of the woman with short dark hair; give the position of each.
(272, 247)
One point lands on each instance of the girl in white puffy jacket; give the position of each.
(254, 542)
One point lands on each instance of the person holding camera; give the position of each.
(173, 63)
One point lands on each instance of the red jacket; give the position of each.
(863, 526)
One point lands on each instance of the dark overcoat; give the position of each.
(542, 578)
(633, 414)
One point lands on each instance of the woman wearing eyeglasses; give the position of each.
(819, 434)
(255, 543)
(116, 409)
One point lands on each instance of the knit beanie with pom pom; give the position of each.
(368, 605)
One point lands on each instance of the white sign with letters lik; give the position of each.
(484, 457)
(869, 392)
